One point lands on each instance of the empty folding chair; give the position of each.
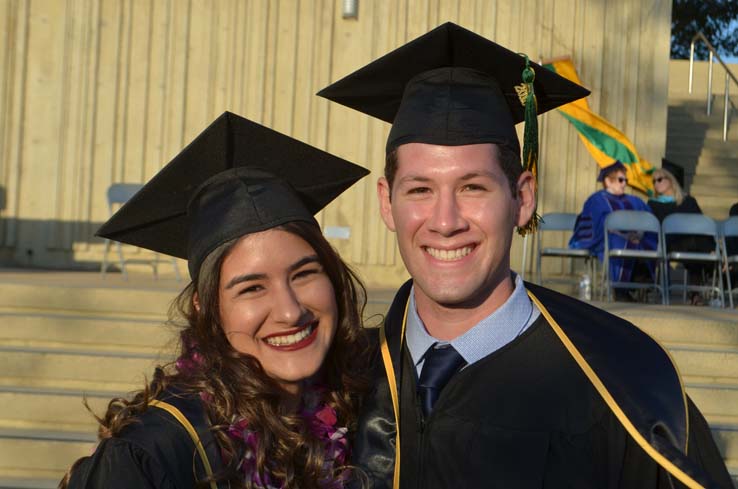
(697, 225)
(118, 194)
(625, 222)
(560, 221)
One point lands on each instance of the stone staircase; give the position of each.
(694, 139)
(60, 342)
(68, 335)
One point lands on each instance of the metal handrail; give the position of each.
(728, 76)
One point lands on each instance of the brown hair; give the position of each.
(508, 158)
(237, 387)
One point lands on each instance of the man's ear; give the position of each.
(196, 301)
(526, 198)
(385, 203)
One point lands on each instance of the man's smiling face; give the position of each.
(454, 213)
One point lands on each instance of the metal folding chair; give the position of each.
(118, 194)
(561, 221)
(729, 229)
(627, 222)
(701, 225)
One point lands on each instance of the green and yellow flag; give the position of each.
(603, 140)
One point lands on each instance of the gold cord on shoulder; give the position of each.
(612, 404)
(177, 414)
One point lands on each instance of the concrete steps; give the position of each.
(694, 139)
(718, 402)
(62, 339)
(39, 459)
(54, 351)
(76, 331)
(718, 364)
(703, 342)
(51, 409)
(68, 369)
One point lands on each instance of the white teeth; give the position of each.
(290, 339)
(449, 255)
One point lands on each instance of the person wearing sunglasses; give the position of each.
(671, 199)
(589, 228)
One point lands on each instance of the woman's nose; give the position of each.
(288, 308)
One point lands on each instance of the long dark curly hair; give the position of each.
(237, 387)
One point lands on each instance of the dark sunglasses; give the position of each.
(658, 179)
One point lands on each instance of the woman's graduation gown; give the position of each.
(158, 451)
(582, 399)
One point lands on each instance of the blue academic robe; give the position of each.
(590, 225)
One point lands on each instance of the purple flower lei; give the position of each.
(321, 419)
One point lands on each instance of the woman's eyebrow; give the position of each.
(260, 276)
(244, 278)
(304, 261)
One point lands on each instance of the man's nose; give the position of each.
(447, 218)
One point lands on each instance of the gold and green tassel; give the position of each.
(527, 97)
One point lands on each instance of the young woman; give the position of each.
(671, 199)
(270, 372)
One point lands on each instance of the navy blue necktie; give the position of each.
(441, 363)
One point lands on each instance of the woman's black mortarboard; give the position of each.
(237, 177)
(453, 87)
(612, 167)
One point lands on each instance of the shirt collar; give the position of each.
(491, 333)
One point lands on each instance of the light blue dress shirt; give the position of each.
(492, 333)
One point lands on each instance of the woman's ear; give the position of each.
(196, 301)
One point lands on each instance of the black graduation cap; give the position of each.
(614, 166)
(451, 87)
(675, 169)
(237, 177)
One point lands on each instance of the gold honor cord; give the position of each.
(390, 371)
(191, 431)
(595, 380)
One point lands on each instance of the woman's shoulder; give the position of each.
(157, 446)
(120, 463)
(689, 200)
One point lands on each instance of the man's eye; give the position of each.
(473, 187)
(418, 190)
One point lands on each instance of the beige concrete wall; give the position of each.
(679, 79)
(100, 91)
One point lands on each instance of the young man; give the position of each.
(487, 381)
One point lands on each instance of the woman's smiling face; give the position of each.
(278, 305)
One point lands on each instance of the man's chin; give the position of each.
(451, 297)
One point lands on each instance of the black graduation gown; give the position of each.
(684, 242)
(529, 415)
(156, 452)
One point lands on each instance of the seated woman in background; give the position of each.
(731, 245)
(671, 199)
(271, 364)
(589, 230)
